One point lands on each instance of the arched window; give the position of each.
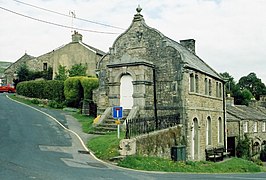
(191, 80)
(209, 131)
(197, 83)
(220, 130)
(210, 87)
(206, 86)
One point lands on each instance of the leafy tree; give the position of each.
(230, 84)
(78, 70)
(253, 84)
(48, 74)
(62, 73)
(243, 97)
(23, 73)
(243, 147)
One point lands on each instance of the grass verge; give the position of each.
(86, 122)
(105, 146)
(234, 165)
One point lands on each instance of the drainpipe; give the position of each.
(225, 145)
(155, 98)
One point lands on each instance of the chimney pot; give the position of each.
(76, 37)
(189, 44)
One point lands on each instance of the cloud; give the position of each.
(230, 35)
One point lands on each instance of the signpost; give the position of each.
(118, 114)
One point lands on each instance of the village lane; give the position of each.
(34, 146)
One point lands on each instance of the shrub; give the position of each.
(42, 89)
(243, 148)
(88, 84)
(73, 91)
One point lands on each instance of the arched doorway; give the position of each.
(195, 139)
(126, 92)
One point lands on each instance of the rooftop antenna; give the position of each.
(73, 15)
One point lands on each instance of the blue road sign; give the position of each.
(117, 112)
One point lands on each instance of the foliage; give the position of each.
(23, 73)
(77, 70)
(88, 84)
(263, 154)
(158, 164)
(243, 97)
(230, 84)
(62, 73)
(253, 84)
(73, 91)
(243, 148)
(42, 89)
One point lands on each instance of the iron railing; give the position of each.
(139, 126)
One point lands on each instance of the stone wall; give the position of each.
(157, 143)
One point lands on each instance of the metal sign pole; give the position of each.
(118, 129)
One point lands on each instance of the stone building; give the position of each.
(249, 120)
(75, 52)
(145, 71)
(11, 71)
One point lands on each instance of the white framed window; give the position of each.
(245, 126)
(255, 126)
(263, 126)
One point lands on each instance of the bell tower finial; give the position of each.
(138, 9)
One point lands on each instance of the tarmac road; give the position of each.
(34, 146)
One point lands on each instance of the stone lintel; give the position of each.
(144, 63)
(142, 83)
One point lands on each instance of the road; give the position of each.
(34, 146)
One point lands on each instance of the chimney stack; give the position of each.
(189, 44)
(229, 100)
(76, 37)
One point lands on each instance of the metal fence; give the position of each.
(138, 126)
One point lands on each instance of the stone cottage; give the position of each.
(145, 71)
(250, 120)
(11, 72)
(75, 52)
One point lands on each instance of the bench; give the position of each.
(214, 154)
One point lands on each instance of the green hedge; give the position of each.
(78, 88)
(73, 91)
(42, 89)
(88, 84)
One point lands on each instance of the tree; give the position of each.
(243, 97)
(253, 84)
(243, 147)
(78, 70)
(23, 73)
(230, 84)
(62, 73)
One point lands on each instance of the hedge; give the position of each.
(78, 88)
(73, 91)
(88, 84)
(42, 89)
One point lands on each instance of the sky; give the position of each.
(230, 34)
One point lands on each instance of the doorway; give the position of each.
(126, 92)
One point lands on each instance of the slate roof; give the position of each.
(192, 61)
(242, 112)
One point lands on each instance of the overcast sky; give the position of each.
(230, 34)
